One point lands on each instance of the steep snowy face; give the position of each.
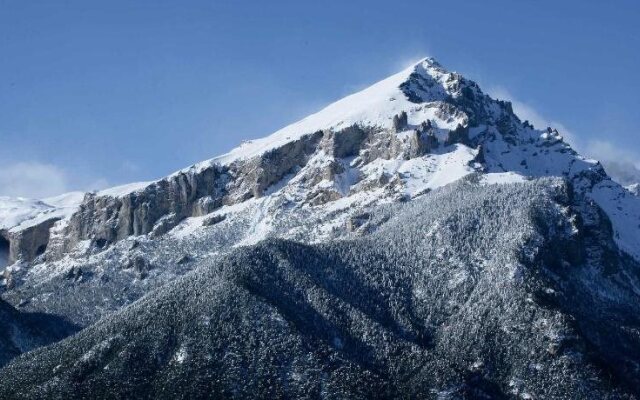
(420, 91)
(412, 132)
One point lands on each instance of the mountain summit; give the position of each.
(414, 131)
(415, 238)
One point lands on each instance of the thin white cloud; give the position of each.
(622, 165)
(32, 179)
(37, 180)
(608, 151)
(130, 166)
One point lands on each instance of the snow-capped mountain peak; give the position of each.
(423, 82)
(399, 138)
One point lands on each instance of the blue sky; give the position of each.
(94, 93)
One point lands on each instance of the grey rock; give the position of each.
(357, 222)
(344, 143)
(458, 135)
(28, 243)
(140, 266)
(185, 259)
(400, 122)
(214, 219)
(107, 219)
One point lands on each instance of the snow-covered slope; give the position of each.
(312, 181)
(427, 93)
(373, 106)
(20, 213)
(419, 129)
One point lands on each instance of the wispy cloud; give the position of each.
(130, 166)
(621, 164)
(32, 179)
(39, 180)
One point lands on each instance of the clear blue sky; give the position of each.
(103, 93)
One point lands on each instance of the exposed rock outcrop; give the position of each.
(400, 122)
(156, 208)
(252, 177)
(458, 135)
(28, 243)
(422, 141)
(160, 206)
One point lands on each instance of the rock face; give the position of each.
(5, 245)
(106, 219)
(30, 242)
(27, 243)
(26, 225)
(470, 292)
(159, 207)
(400, 122)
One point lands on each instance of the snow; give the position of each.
(452, 166)
(20, 213)
(533, 154)
(193, 225)
(502, 178)
(181, 355)
(623, 209)
(123, 190)
(427, 172)
(416, 176)
(373, 106)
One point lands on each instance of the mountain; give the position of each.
(21, 332)
(474, 291)
(413, 238)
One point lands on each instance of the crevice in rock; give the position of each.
(4, 251)
(41, 249)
